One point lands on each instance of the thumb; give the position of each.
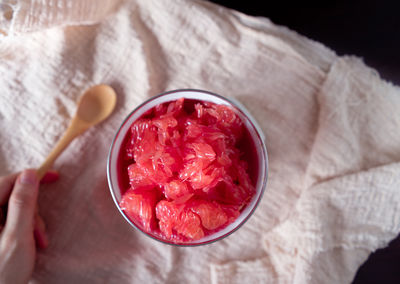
(22, 203)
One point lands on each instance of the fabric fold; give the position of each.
(349, 207)
(23, 16)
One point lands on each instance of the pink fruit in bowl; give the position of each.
(188, 167)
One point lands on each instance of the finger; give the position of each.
(2, 218)
(22, 203)
(6, 184)
(40, 232)
(50, 177)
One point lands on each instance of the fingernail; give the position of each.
(41, 239)
(49, 177)
(28, 177)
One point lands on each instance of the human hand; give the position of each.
(23, 225)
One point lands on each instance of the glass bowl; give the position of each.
(259, 163)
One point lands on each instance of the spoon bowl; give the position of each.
(95, 105)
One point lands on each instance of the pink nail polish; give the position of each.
(41, 239)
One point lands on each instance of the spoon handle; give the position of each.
(76, 128)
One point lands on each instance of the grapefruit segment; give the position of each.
(139, 206)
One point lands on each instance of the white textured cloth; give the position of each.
(331, 124)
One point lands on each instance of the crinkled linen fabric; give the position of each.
(331, 126)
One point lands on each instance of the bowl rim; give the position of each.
(238, 107)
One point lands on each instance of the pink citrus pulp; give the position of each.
(188, 170)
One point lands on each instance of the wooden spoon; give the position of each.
(95, 105)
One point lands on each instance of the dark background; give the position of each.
(367, 29)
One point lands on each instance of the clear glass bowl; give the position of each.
(248, 121)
